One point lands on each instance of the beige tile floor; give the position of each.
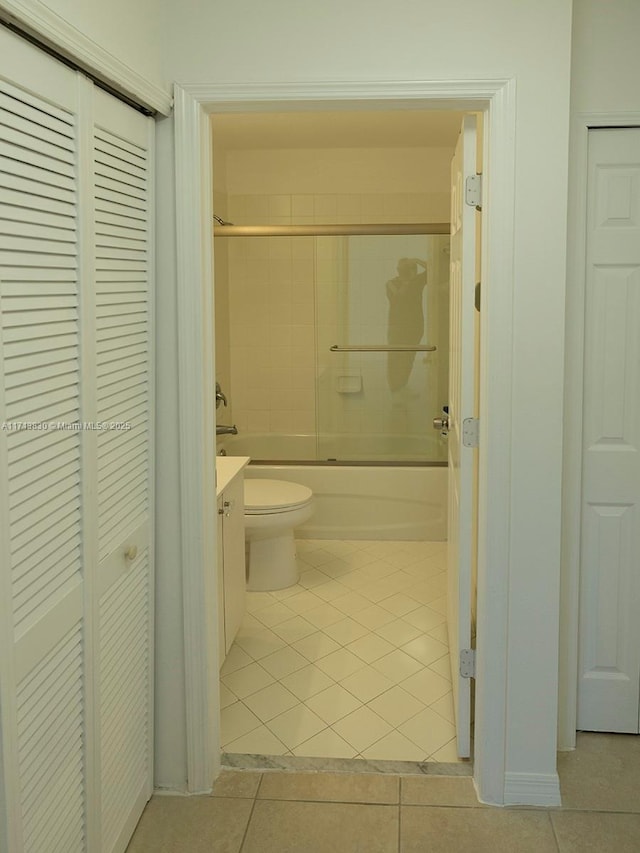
(283, 812)
(352, 662)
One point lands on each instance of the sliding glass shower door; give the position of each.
(382, 346)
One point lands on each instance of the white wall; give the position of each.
(129, 31)
(605, 65)
(296, 40)
(117, 40)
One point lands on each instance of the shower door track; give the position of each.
(390, 228)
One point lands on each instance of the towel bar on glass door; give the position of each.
(380, 348)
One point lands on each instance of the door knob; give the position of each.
(131, 553)
(441, 423)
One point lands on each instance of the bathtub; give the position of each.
(406, 502)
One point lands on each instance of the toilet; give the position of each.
(272, 509)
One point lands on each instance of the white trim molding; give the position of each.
(36, 20)
(573, 395)
(197, 439)
(194, 103)
(531, 789)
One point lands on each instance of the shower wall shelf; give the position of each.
(330, 230)
(380, 348)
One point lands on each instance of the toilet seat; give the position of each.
(264, 497)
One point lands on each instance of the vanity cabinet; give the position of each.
(232, 583)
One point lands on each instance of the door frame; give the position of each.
(496, 98)
(581, 124)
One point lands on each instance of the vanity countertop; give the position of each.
(227, 467)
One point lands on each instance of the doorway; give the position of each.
(351, 661)
(195, 311)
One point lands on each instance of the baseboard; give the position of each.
(531, 789)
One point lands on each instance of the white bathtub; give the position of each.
(354, 501)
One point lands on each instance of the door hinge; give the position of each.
(473, 191)
(468, 663)
(471, 432)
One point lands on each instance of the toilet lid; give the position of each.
(273, 495)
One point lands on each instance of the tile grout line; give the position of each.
(253, 806)
(400, 814)
(553, 831)
(331, 802)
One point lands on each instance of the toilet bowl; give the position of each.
(272, 509)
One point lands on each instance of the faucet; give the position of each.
(220, 397)
(222, 429)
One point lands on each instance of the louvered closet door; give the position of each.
(76, 579)
(43, 572)
(122, 203)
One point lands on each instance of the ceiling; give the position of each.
(336, 129)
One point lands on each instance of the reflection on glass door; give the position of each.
(382, 305)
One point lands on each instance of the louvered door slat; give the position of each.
(15, 146)
(37, 409)
(128, 447)
(123, 166)
(66, 781)
(51, 489)
(57, 374)
(107, 346)
(113, 393)
(37, 246)
(111, 335)
(18, 132)
(37, 513)
(25, 218)
(106, 231)
(59, 581)
(112, 143)
(16, 101)
(35, 201)
(38, 230)
(33, 358)
(122, 183)
(36, 185)
(129, 349)
(19, 129)
(136, 480)
(27, 346)
(38, 337)
(40, 534)
(46, 750)
(114, 214)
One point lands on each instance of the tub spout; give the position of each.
(222, 429)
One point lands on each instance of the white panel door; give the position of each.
(609, 661)
(461, 406)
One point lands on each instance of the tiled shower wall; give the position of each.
(272, 333)
(266, 324)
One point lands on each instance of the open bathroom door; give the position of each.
(461, 409)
